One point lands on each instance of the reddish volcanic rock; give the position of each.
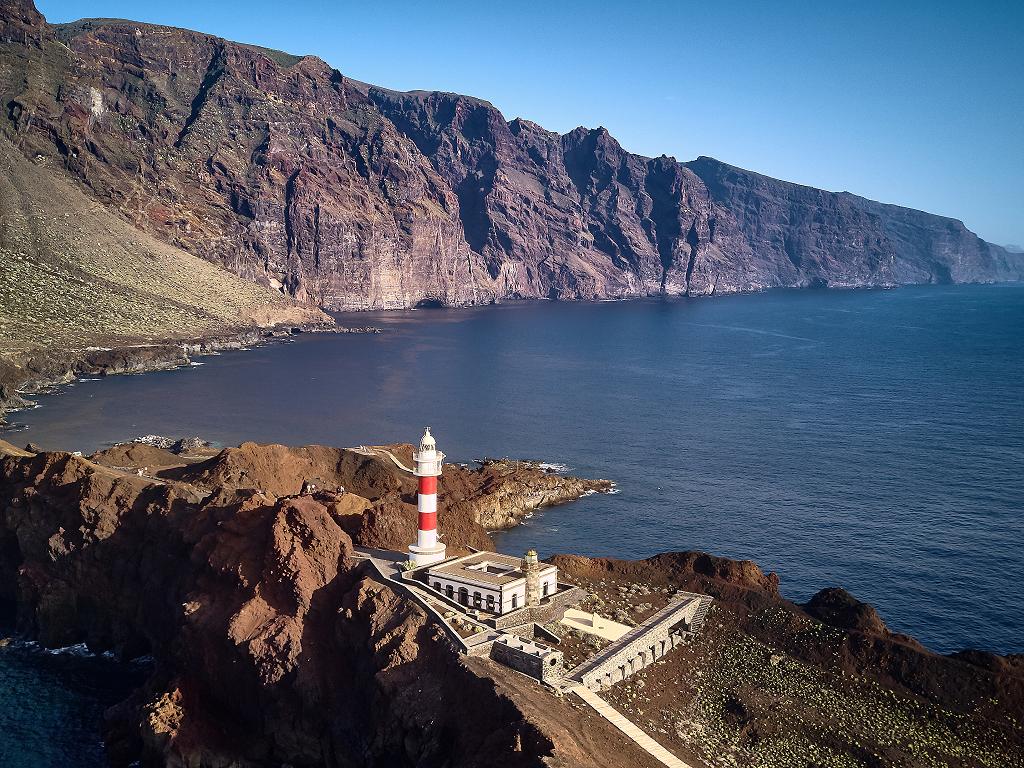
(283, 470)
(271, 643)
(698, 570)
(20, 22)
(841, 609)
(748, 601)
(137, 455)
(496, 495)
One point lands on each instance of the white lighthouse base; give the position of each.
(426, 555)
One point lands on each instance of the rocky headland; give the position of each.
(273, 644)
(82, 292)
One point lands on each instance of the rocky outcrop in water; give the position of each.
(288, 173)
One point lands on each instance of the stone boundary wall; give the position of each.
(643, 645)
(540, 614)
(531, 658)
(460, 643)
(545, 633)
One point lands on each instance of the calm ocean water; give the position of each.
(52, 704)
(872, 440)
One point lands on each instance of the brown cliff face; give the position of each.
(270, 165)
(812, 237)
(272, 645)
(287, 173)
(20, 22)
(82, 291)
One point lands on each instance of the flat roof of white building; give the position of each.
(491, 568)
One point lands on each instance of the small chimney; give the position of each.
(531, 568)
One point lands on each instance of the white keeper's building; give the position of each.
(493, 582)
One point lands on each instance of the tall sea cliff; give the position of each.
(350, 196)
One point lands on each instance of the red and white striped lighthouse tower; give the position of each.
(427, 549)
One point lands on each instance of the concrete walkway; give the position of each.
(593, 624)
(613, 716)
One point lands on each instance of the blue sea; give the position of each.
(52, 704)
(867, 439)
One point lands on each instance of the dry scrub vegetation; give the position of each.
(73, 274)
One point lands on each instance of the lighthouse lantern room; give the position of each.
(427, 549)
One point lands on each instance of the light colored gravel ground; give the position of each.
(73, 274)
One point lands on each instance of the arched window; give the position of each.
(463, 596)
(450, 590)
(546, 585)
(437, 586)
(490, 603)
(476, 599)
(515, 602)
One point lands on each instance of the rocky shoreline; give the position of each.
(273, 644)
(43, 371)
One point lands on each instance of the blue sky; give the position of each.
(916, 103)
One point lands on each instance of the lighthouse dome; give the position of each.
(427, 441)
(428, 459)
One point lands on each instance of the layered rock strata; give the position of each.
(350, 196)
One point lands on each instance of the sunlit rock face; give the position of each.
(351, 196)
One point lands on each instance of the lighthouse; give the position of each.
(427, 549)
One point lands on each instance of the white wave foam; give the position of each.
(157, 441)
(79, 649)
(553, 467)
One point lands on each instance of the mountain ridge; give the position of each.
(348, 195)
